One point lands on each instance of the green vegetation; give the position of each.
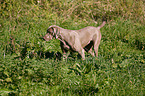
(31, 66)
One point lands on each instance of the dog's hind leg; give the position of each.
(89, 47)
(96, 46)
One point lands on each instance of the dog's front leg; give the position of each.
(64, 44)
(82, 53)
(64, 50)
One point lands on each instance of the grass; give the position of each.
(31, 66)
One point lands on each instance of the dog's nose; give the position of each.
(46, 39)
(42, 38)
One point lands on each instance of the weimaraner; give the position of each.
(76, 40)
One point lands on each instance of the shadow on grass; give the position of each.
(45, 55)
(84, 91)
(58, 55)
(87, 91)
(52, 55)
(29, 51)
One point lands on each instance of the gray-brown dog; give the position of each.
(76, 40)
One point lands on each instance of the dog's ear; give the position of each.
(50, 30)
(56, 32)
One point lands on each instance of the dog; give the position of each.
(76, 40)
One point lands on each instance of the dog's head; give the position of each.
(52, 33)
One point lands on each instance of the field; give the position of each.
(30, 66)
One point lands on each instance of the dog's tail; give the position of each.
(99, 27)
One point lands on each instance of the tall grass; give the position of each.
(31, 66)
